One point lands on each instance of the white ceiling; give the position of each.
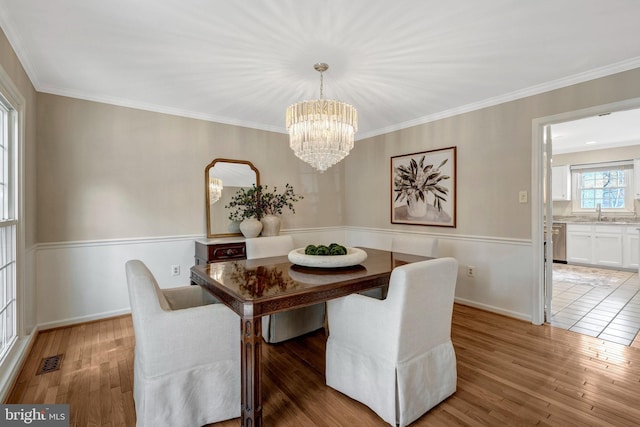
(616, 129)
(400, 63)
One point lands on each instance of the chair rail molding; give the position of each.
(84, 281)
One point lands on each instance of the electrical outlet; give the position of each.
(471, 271)
(175, 270)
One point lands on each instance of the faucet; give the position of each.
(599, 210)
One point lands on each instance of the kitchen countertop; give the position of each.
(605, 220)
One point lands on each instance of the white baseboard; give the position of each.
(82, 319)
(493, 309)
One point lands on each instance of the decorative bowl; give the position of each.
(354, 256)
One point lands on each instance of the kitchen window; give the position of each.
(606, 184)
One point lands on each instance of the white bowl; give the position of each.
(354, 256)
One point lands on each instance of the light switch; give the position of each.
(523, 196)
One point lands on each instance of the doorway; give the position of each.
(541, 189)
(592, 181)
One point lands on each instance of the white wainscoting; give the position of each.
(503, 269)
(84, 281)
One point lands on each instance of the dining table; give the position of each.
(260, 287)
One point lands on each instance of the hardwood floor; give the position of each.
(509, 373)
(95, 377)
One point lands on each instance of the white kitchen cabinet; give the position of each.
(561, 183)
(636, 178)
(596, 244)
(607, 245)
(631, 247)
(579, 244)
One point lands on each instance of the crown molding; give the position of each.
(596, 73)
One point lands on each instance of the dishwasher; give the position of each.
(559, 233)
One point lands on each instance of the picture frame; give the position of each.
(423, 188)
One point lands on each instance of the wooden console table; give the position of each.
(222, 249)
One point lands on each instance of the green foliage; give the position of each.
(416, 180)
(322, 250)
(338, 250)
(258, 201)
(273, 202)
(332, 249)
(244, 204)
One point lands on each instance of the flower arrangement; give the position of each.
(244, 204)
(414, 181)
(272, 202)
(258, 201)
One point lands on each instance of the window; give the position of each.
(8, 225)
(607, 185)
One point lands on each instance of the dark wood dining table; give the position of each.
(259, 287)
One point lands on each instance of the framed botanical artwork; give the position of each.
(423, 188)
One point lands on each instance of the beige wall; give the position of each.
(114, 172)
(109, 172)
(494, 151)
(594, 156)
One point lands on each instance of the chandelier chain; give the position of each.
(321, 67)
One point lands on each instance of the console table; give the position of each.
(220, 249)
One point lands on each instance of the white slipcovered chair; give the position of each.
(187, 354)
(415, 245)
(292, 323)
(395, 355)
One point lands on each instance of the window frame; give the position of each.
(15, 102)
(576, 179)
(8, 228)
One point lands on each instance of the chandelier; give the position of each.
(321, 131)
(215, 190)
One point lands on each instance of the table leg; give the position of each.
(251, 397)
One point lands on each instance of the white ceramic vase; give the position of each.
(417, 208)
(270, 225)
(250, 227)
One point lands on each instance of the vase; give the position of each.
(250, 227)
(270, 225)
(234, 227)
(417, 208)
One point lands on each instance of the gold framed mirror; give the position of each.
(222, 178)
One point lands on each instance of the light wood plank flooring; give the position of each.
(509, 373)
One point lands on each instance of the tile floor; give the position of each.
(596, 302)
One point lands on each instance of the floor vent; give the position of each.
(50, 364)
